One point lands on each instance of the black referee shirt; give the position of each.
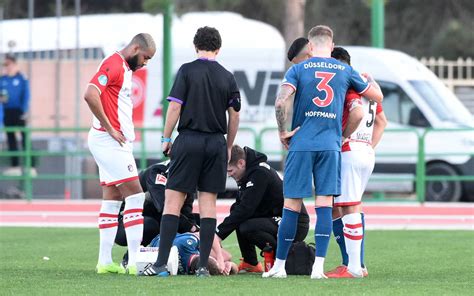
(205, 90)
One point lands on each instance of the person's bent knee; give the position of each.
(346, 210)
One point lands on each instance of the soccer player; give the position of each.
(314, 143)
(111, 142)
(188, 251)
(258, 208)
(299, 50)
(357, 164)
(202, 93)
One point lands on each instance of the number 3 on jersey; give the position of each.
(323, 85)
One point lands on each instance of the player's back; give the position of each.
(187, 244)
(321, 85)
(208, 89)
(361, 138)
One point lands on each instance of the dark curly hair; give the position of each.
(208, 39)
(341, 54)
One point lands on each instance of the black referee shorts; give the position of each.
(198, 160)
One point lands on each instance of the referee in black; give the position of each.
(202, 93)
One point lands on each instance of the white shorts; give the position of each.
(356, 168)
(116, 163)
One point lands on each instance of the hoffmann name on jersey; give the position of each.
(363, 134)
(114, 82)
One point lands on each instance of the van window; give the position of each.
(399, 108)
(446, 106)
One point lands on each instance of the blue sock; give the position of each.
(362, 246)
(286, 232)
(323, 229)
(337, 227)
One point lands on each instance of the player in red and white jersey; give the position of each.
(110, 142)
(363, 124)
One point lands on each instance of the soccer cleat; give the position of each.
(173, 261)
(317, 275)
(202, 272)
(345, 274)
(132, 270)
(365, 272)
(245, 267)
(152, 270)
(275, 273)
(338, 269)
(109, 268)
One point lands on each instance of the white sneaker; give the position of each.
(173, 261)
(275, 273)
(13, 172)
(317, 275)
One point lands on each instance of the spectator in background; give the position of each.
(15, 98)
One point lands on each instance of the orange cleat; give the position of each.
(244, 267)
(338, 269)
(344, 273)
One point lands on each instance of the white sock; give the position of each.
(318, 265)
(353, 235)
(133, 224)
(279, 264)
(108, 229)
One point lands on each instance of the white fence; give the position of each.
(453, 73)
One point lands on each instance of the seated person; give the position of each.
(258, 208)
(188, 254)
(153, 182)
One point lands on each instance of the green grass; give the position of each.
(399, 262)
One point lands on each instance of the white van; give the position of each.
(415, 98)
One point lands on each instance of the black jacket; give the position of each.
(260, 194)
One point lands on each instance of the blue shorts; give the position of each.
(303, 168)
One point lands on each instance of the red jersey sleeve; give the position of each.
(108, 72)
(379, 108)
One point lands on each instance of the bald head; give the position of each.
(321, 36)
(141, 49)
(144, 41)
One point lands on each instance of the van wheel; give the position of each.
(442, 190)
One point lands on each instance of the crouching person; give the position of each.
(257, 211)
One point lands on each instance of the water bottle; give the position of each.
(268, 257)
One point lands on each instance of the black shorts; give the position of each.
(198, 161)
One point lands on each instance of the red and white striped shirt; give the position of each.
(114, 82)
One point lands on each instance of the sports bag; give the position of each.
(300, 259)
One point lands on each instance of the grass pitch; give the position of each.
(399, 263)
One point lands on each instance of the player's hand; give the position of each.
(285, 137)
(166, 148)
(221, 265)
(229, 152)
(228, 267)
(367, 76)
(117, 136)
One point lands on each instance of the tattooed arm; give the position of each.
(282, 104)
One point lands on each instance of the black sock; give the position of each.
(206, 234)
(169, 226)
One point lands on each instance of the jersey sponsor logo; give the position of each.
(325, 87)
(130, 168)
(320, 114)
(102, 80)
(189, 241)
(249, 184)
(160, 180)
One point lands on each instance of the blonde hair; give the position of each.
(321, 35)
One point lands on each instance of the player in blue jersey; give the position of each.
(188, 252)
(314, 142)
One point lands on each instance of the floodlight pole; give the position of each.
(377, 23)
(167, 57)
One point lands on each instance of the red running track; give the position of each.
(48, 213)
